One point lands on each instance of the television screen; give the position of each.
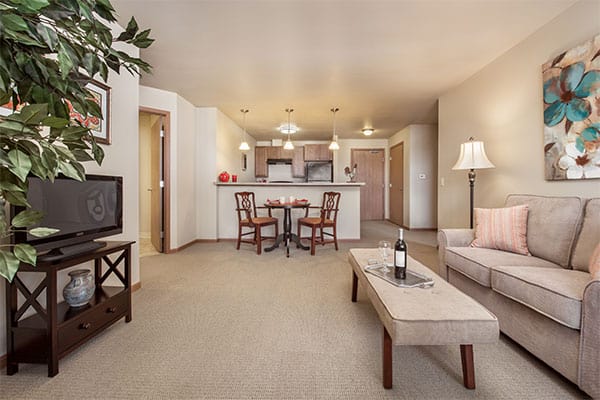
(82, 211)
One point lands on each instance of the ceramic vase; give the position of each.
(80, 289)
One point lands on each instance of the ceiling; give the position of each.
(383, 63)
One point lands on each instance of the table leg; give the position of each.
(468, 366)
(354, 286)
(287, 228)
(387, 359)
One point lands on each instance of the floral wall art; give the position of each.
(572, 113)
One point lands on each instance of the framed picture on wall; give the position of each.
(100, 127)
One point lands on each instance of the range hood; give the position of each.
(279, 161)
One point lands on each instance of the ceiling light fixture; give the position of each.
(334, 144)
(244, 145)
(288, 144)
(288, 128)
(368, 131)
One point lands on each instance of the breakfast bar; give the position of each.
(348, 225)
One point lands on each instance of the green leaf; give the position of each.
(21, 164)
(27, 218)
(9, 264)
(55, 122)
(14, 23)
(68, 169)
(42, 231)
(5, 185)
(97, 152)
(33, 114)
(16, 198)
(48, 36)
(37, 5)
(82, 155)
(65, 63)
(25, 253)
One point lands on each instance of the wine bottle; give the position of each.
(400, 256)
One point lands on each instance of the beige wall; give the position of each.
(145, 180)
(502, 105)
(206, 173)
(420, 175)
(229, 157)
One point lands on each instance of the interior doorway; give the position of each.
(154, 207)
(371, 170)
(397, 184)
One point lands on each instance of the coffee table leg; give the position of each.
(387, 359)
(354, 286)
(466, 356)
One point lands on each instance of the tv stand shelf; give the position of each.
(57, 329)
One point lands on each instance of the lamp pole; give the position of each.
(472, 188)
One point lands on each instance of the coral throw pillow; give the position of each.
(595, 262)
(502, 229)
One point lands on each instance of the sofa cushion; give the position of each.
(552, 225)
(589, 236)
(553, 292)
(476, 262)
(502, 229)
(595, 263)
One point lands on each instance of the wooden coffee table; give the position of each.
(440, 315)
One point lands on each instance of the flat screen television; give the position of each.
(82, 211)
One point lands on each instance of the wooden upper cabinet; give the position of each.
(317, 152)
(260, 161)
(298, 162)
(274, 153)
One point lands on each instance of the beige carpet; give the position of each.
(215, 323)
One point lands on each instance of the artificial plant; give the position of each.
(49, 51)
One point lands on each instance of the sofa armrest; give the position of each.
(589, 346)
(451, 238)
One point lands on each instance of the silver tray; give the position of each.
(413, 279)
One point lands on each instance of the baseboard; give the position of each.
(136, 286)
(193, 242)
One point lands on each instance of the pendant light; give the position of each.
(334, 144)
(244, 145)
(288, 144)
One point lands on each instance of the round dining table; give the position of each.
(287, 234)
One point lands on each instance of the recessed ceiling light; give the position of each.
(368, 131)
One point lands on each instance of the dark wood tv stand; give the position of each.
(57, 329)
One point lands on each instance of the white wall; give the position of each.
(420, 158)
(206, 173)
(186, 163)
(502, 105)
(229, 157)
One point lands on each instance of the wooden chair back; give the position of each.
(329, 208)
(246, 206)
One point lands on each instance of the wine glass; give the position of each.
(385, 249)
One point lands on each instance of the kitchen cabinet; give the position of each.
(317, 152)
(274, 153)
(298, 162)
(260, 161)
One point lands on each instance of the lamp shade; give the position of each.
(244, 146)
(472, 156)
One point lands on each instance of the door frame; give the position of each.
(403, 184)
(352, 150)
(166, 212)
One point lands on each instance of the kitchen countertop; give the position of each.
(290, 184)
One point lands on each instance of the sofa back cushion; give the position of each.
(552, 224)
(589, 236)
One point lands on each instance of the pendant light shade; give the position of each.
(288, 143)
(334, 144)
(244, 145)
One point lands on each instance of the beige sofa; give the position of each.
(547, 302)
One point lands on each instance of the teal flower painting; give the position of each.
(571, 89)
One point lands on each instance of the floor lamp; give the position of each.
(472, 156)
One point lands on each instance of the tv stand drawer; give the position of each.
(91, 321)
